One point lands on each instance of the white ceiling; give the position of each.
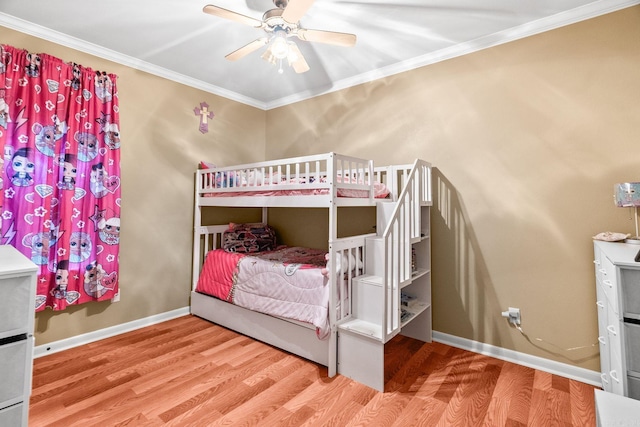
(176, 40)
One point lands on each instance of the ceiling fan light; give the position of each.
(279, 46)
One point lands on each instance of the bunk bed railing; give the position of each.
(206, 238)
(316, 172)
(346, 260)
(402, 230)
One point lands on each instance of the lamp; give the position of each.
(627, 195)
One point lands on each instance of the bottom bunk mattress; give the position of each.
(289, 282)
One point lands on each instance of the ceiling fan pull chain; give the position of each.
(280, 70)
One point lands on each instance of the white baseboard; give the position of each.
(56, 346)
(568, 371)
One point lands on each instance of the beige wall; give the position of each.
(161, 147)
(527, 139)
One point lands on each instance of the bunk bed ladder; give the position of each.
(376, 309)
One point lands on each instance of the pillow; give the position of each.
(207, 165)
(249, 238)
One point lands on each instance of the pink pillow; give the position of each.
(207, 165)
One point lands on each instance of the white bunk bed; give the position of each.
(321, 181)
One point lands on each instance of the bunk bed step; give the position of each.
(360, 355)
(364, 328)
(367, 318)
(367, 305)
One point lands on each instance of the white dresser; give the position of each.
(618, 302)
(17, 306)
(614, 410)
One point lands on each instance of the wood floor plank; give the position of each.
(511, 397)
(469, 403)
(561, 406)
(581, 412)
(279, 370)
(190, 372)
(435, 370)
(339, 393)
(460, 362)
(540, 413)
(269, 400)
(421, 412)
(382, 410)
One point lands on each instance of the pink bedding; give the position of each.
(287, 282)
(380, 191)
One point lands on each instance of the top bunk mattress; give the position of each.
(380, 191)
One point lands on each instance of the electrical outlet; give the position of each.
(513, 314)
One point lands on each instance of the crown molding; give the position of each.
(591, 10)
(80, 45)
(573, 16)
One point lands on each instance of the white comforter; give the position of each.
(283, 290)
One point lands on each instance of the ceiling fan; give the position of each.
(280, 24)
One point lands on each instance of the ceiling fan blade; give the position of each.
(296, 60)
(232, 16)
(247, 49)
(296, 9)
(329, 37)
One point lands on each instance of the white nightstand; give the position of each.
(17, 306)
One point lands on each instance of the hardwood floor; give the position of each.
(189, 372)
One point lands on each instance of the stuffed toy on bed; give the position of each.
(227, 179)
(342, 264)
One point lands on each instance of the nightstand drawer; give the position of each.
(632, 341)
(16, 312)
(630, 287)
(15, 359)
(633, 384)
(12, 416)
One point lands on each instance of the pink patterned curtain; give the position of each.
(60, 181)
